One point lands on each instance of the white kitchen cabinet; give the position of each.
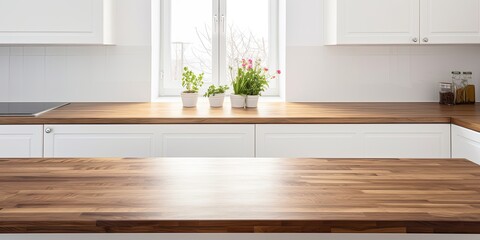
(208, 141)
(371, 21)
(149, 141)
(101, 141)
(21, 141)
(354, 141)
(450, 21)
(353, 22)
(465, 144)
(56, 21)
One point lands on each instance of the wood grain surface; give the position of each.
(267, 113)
(239, 196)
(472, 122)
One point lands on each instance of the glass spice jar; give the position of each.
(459, 86)
(447, 95)
(469, 89)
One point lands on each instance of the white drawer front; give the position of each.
(354, 141)
(100, 141)
(150, 141)
(21, 141)
(208, 141)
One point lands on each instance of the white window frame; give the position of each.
(168, 87)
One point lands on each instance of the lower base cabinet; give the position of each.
(21, 141)
(74, 141)
(263, 140)
(465, 144)
(354, 141)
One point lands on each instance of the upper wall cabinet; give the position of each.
(450, 21)
(56, 21)
(371, 21)
(349, 22)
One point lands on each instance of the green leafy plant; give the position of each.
(213, 90)
(191, 81)
(251, 78)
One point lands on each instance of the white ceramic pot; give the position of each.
(189, 100)
(238, 101)
(217, 100)
(252, 101)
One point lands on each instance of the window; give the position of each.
(211, 35)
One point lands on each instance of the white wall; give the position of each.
(84, 73)
(364, 73)
(122, 73)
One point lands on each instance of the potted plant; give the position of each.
(216, 95)
(250, 81)
(191, 82)
(238, 98)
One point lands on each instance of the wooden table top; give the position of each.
(239, 196)
(267, 113)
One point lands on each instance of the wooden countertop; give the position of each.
(267, 113)
(239, 196)
(472, 122)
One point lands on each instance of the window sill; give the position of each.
(203, 99)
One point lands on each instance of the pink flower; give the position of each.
(265, 69)
(250, 67)
(250, 61)
(279, 71)
(274, 77)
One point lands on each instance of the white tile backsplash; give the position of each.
(33, 78)
(34, 51)
(4, 76)
(56, 86)
(4, 51)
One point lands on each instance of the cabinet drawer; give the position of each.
(24, 141)
(354, 141)
(150, 141)
(208, 141)
(100, 141)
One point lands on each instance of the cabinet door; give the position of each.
(450, 21)
(465, 144)
(55, 21)
(97, 141)
(374, 21)
(150, 141)
(208, 141)
(354, 141)
(21, 141)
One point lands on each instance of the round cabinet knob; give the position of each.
(425, 40)
(415, 40)
(48, 130)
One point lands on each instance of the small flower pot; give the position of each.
(238, 101)
(189, 100)
(252, 101)
(216, 101)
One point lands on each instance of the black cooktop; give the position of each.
(25, 109)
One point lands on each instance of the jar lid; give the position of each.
(446, 85)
